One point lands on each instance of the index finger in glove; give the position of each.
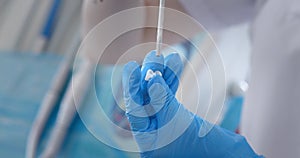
(133, 97)
(155, 64)
(172, 71)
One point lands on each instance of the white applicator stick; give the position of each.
(160, 27)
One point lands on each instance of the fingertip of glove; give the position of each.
(158, 92)
(173, 56)
(132, 65)
(152, 57)
(131, 73)
(174, 62)
(172, 71)
(156, 80)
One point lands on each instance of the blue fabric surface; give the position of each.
(24, 80)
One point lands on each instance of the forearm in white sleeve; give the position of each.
(218, 14)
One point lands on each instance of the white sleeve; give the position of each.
(218, 14)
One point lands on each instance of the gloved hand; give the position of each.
(162, 127)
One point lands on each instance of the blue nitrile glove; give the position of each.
(162, 127)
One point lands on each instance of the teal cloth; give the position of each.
(24, 80)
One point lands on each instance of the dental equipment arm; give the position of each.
(80, 84)
(49, 101)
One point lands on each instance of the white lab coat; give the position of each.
(271, 115)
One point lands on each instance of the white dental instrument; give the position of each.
(159, 35)
(50, 101)
(67, 111)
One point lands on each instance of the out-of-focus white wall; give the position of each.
(233, 44)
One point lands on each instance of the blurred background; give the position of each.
(38, 42)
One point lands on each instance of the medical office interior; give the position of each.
(44, 65)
